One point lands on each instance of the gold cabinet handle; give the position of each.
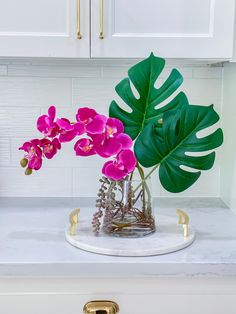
(106, 307)
(101, 34)
(79, 36)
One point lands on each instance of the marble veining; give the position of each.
(32, 242)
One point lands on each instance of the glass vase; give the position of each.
(126, 207)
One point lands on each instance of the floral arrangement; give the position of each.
(99, 134)
(162, 130)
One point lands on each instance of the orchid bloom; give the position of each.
(114, 140)
(46, 124)
(106, 135)
(121, 166)
(69, 131)
(49, 148)
(93, 122)
(84, 147)
(113, 127)
(33, 154)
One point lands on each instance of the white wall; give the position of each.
(228, 171)
(27, 88)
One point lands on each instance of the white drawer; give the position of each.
(134, 296)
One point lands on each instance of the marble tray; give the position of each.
(167, 238)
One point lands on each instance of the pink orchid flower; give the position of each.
(50, 147)
(113, 127)
(123, 164)
(113, 139)
(33, 154)
(107, 148)
(46, 124)
(93, 122)
(69, 131)
(84, 147)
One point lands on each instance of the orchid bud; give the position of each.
(28, 171)
(24, 162)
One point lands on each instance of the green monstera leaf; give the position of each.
(145, 109)
(168, 145)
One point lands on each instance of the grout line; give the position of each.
(10, 152)
(71, 93)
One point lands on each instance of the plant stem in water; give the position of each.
(146, 177)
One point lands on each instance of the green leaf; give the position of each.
(168, 146)
(143, 109)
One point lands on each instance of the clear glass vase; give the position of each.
(126, 206)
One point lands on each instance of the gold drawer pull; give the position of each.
(101, 307)
(79, 36)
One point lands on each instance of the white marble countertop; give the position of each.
(32, 242)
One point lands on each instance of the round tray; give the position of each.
(167, 238)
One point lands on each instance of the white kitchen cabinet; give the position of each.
(172, 29)
(45, 28)
(133, 295)
(196, 29)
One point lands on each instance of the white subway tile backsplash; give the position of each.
(53, 71)
(18, 122)
(34, 92)
(5, 151)
(203, 92)
(3, 70)
(86, 181)
(94, 62)
(54, 183)
(209, 72)
(186, 72)
(121, 72)
(94, 92)
(29, 87)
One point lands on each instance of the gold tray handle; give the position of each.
(106, 307)
(183, 220)
(73, 218)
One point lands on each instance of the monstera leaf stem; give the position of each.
(149, 174)
(146, 177)
(145, 188)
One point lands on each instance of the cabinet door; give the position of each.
(44, 28)
(170, 28)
